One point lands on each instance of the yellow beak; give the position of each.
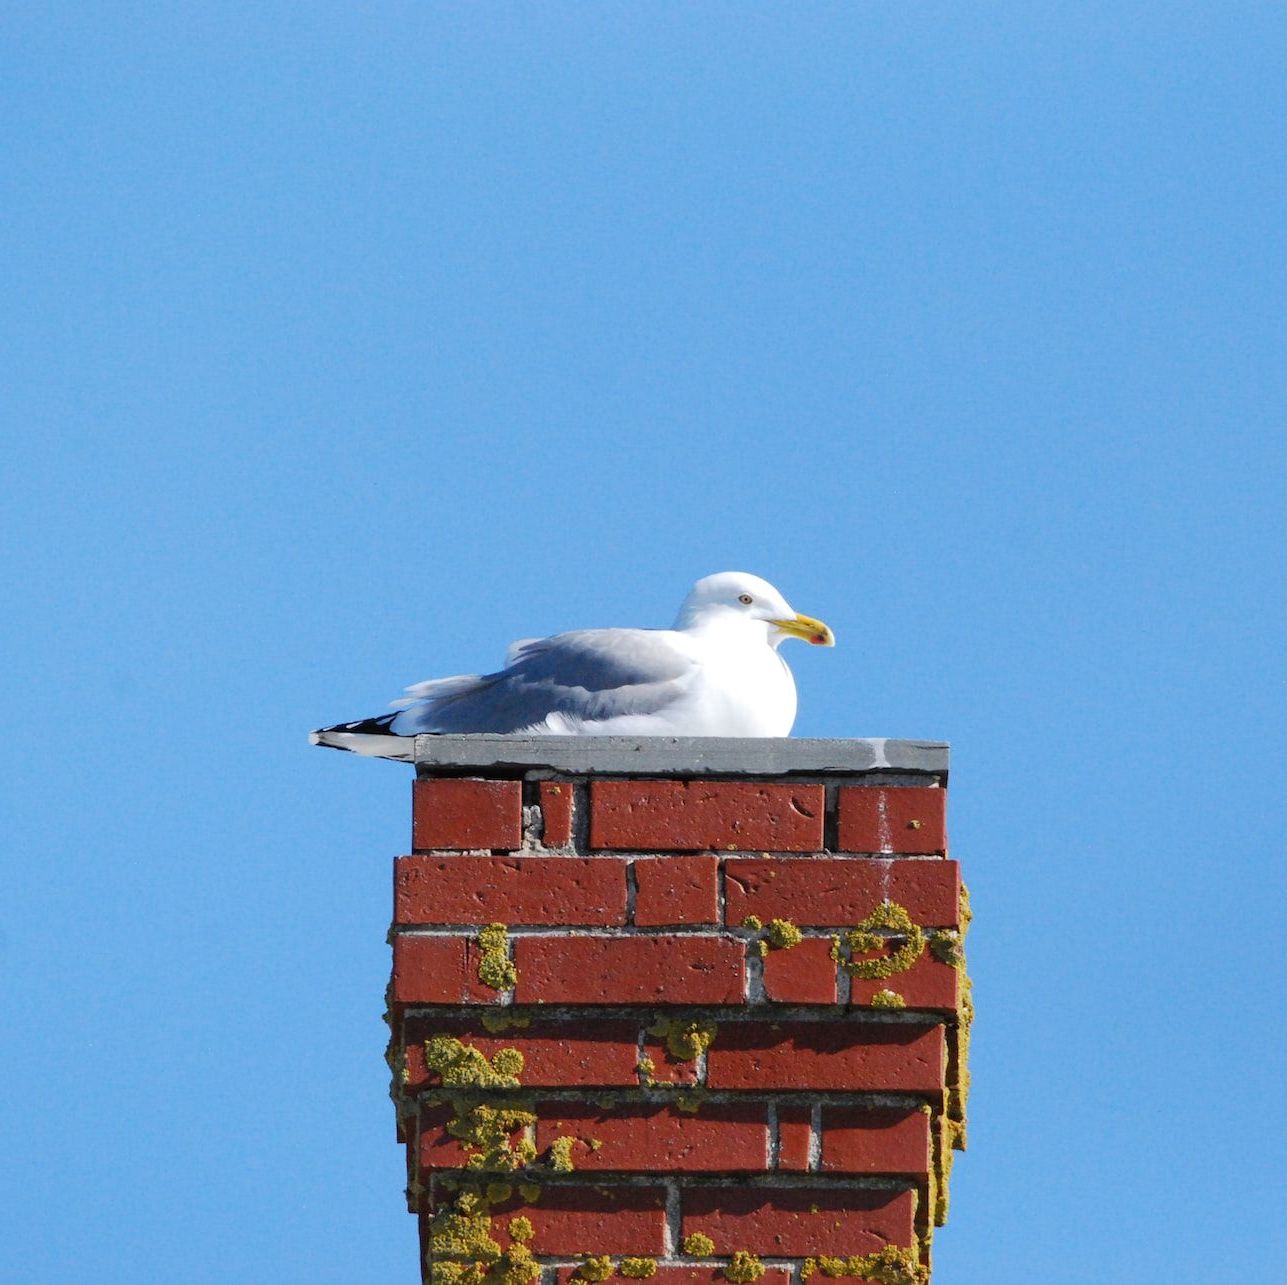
(813, 631)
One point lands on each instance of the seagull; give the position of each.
(717, 672)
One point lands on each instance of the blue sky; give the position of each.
(344, 344)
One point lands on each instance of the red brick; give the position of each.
(928, 983)
(823, 893)
(787, 1222)
(676, 890)
(677, 816)
(556, 813)
(462, 812)
(570, 1221)
(803, 974)
(652, 1138)
(555, 1054)
(511, 890)
(860, 1056)
(875, 1140)
(629, 970)
(686, 1276)
(795, 1136)
(904, 818)
(437, 970)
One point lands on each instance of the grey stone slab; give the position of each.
(681, 755)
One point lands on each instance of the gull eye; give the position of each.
(745, 599)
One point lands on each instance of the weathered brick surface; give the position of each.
(450, 812)
(804, 974)
(556, 813)
(567, 1219)
(676, 816)
(801, 1221)
(437, 970)
(777, 1138)
(676, 890)
(629, 970)
(871, 1057)
(818, 893)
(649, 1138)
(606, 1220)
(906, 819)
(538, 891)
(874, 1140)
(795, 1134)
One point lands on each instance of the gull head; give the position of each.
(737, 599)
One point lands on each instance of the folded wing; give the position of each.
(588, 675)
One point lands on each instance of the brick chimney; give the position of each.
(691, 1010)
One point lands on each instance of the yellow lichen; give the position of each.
(520, 1228)
(463, 1230)
(744, 1268)
(495, 968)
(561, 1155)
(892, 918)
(487, 1132)
(891, 1265)
(638, 1268)
(945, 946)
(965, 1024)
(753, 922)
(888, 999)
(498, 1192)
(496, 1020)
(516, 1266)
(687, 1038)
(530, 1191)
(595, 1269)
(698, 1245)
(782, 934)
(463, 1066)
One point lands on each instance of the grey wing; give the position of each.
(590, 674)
